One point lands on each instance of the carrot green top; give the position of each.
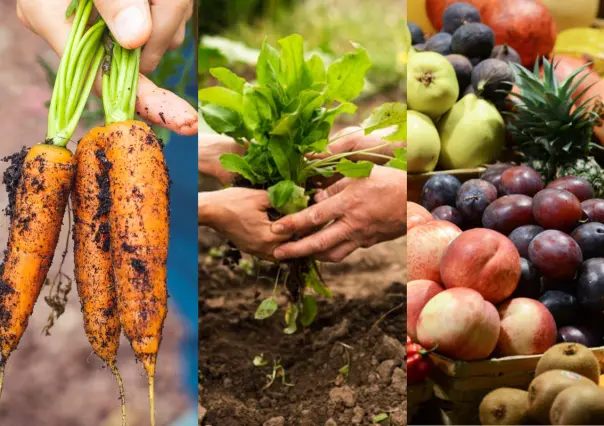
(79, 64)
(120, 79)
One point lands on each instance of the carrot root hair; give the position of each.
(2, 377)
(152, 399)
(120, 385)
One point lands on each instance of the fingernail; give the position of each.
(278, 228)
(127, 25)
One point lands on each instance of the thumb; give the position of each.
(128, 20)
(332, 190)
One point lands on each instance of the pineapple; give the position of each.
(551, 128)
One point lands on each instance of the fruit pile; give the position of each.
(457, 84)
(566, 390)
(534, 251)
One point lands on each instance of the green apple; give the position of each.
(423, 143)
(432, 87)
(472, 133)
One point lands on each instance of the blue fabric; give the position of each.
(181, 157)
(189, 419)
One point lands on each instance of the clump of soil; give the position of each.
(345, 369)
(11, 177)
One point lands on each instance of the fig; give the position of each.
(463, 70)
(505, 53)
(439, 43)
(459, 14)
(417, 35)
(420, 47)
(492, 79)
(473, 41)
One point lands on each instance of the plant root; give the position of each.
(120, 385)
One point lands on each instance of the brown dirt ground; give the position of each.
(56, 380)
(367, 314)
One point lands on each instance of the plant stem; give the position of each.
(314, 164)
(75, 77)
(120, 82)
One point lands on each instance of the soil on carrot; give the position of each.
(347, 368)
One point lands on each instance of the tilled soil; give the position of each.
(361, 331)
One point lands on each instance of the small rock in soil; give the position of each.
(331, 422)
(275, 421)
(399, 418)
(344, 395)
(358, 415)
(265, 402)
(385, 370)
(373, 378)
(201, 412)
(390, 348)
(399, 383)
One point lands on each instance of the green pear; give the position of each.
(472, 133)
(432, 87)
(423, 143)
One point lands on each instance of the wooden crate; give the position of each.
(460, 386)
(417, 395)
(415, 182)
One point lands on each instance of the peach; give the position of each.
(483, 260)
(417, 215)
(425, 247)
(419, 292)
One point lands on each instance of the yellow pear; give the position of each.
(423, 143)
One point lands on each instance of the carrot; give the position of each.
(139, 214)
(92, 257)
(38, 202)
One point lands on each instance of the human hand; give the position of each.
(210, 148)
(134, 23)
(241, 215)
(364, 212)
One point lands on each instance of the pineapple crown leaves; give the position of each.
(549, 123)
(285, 116)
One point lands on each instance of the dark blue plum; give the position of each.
(448, 213)
(590, 237)
(417, 35)
(590, 286)
(530, 281)
(564, 307)
(439, 43)
(473, 198)
(440, 190)
(522, 237)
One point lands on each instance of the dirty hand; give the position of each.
(134, 23)
(241, 215)
(210, 148)
(364, 212)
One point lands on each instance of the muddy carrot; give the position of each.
(41, 180)
(139, 214)
(92, 257)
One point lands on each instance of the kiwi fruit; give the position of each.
(504, 406)
(578, 405)
(570, 357)
(544, 389)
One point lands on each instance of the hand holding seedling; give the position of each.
(133, 23)
(364, 212)
(241, 215)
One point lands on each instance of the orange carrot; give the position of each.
(92, 257)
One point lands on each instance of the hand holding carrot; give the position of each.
(134, 23)
(364, 212)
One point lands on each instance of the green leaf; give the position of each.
(286, 125)
(317, 68)
(296, 202)
(346, 76)
(266, 309)
(380, 418)
(313, 280)
(344, 371)
(71, 9)
(281, 193)
(310, 101)
(221, 120)
(268, 68)
(309, 310)
(350, 169)
(280, 149)
(237, 164)
(344, 108)
(386, 115)
(228, 78)
(399, 135)
(291, 316)
(320, 146)
(400, 160)
(223, 97)
(259, 361)
(295, 74)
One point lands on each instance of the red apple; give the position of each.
(425, 247)
(419, 293)
(483, 260)
(417, 215)
(460, 323)
(527, 328)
